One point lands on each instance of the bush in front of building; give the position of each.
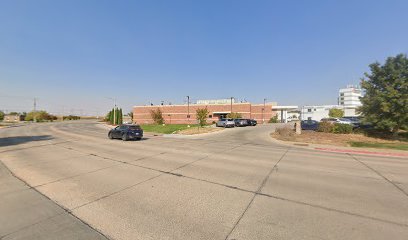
(325, 127)
(342, 128)
(201, 114)
(273, 119)
(157, 116)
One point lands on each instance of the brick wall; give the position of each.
(177, 114)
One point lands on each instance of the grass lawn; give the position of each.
(398, 146)
(166, 129)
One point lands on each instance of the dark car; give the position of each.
(309, 125)
(239, 122)
(252, 122)
(126, 132)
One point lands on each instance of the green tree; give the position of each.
(120, 117)
(273, 119)
(39, 116)
(201, 115)
(157, 116)
(1, 115)
(385, 103)
(234, 115)
(336, 113)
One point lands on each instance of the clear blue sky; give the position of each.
(73, 54)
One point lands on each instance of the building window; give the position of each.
(210, 116)
(309, 110)
(341, 94)
(309, 118)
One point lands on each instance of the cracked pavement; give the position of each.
(69, 181)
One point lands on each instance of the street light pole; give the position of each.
(188, 109)
(231, 104)
(263, 112)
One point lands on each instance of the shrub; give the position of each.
(157, 116)
(71, 117)
(326, 127)
(285, 131)
(234, 115)
(39, 116)
(273, 119)
(342, 128)
(201, 114)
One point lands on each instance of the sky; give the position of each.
(76, 56)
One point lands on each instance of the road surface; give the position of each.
(69, 181)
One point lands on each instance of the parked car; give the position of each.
(252, 122)
(239, 122)
(126, 132)
(354, 120)
(309, 125)
(225, 122)
(336, 120)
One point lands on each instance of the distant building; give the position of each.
(13, 118)
(349, 99)
(316, 112)
(186, 114)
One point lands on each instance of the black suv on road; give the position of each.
(126, 132)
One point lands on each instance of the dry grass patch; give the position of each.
(196, 130)
(340, 139)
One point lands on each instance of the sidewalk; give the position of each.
(27, 214)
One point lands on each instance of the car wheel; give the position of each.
(110, 136)
(124, 137)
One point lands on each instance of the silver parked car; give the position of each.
(225, 122)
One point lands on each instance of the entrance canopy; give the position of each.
(283, 115)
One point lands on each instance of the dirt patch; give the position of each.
(195, 130)
(331, 138)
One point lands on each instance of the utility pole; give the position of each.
(34, 110)
(188, 109)
(231, 104)
(263, 112)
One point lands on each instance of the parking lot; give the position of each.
(68, 180)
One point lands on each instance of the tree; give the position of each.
(157, 116)
(130, 114)
(40, 116)
(273, 119)
(1, 115)
(385, 103)
(336, 113)
(201, 114)
(234, 115)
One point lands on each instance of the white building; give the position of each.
(316, 112)
(349, 99)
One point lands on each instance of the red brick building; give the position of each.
(178, 114)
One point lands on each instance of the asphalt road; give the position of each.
(68, 181)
